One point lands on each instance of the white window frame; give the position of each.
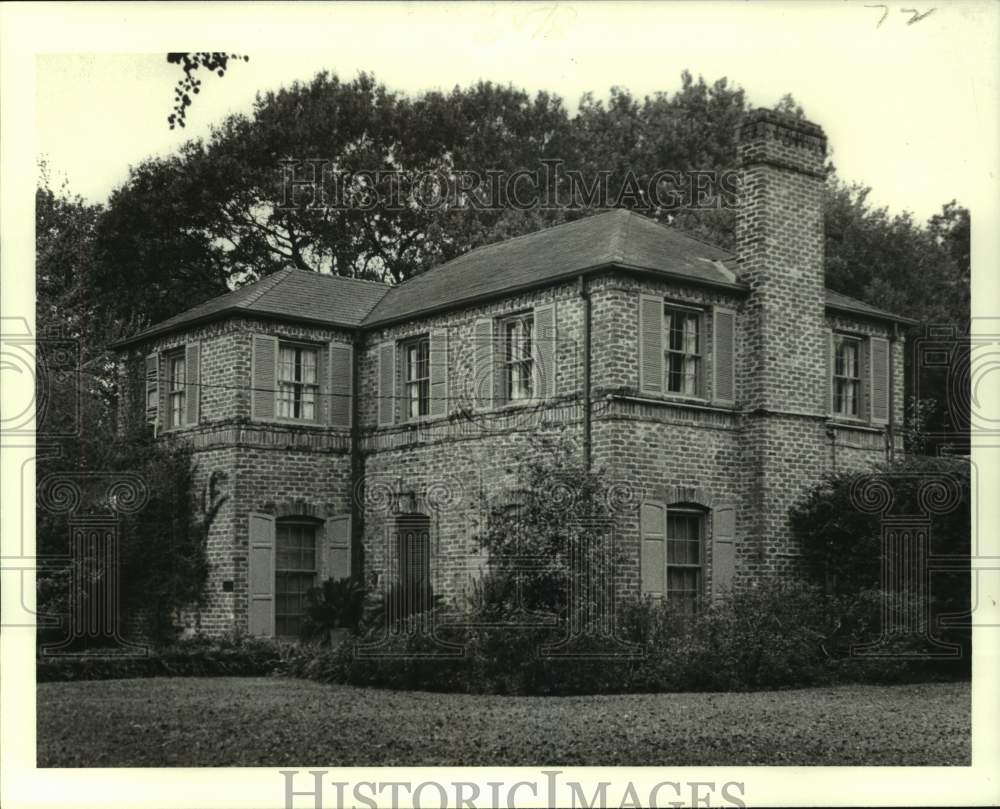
(176, 389)
(525, 364)
(698, 355)
(857, 379)
(298, 386)
(413, 382)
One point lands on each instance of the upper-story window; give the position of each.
(847, 376)
(298, 388)
(518, 366)
(683, 351)
(417, 377)
(176, 389)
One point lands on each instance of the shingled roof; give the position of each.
(289, 294)
(615, 239)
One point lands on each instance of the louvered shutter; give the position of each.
(653, 562)
(192, 383)
(261, 574)
(650, 344)
(265, 377)
(724, 355)
(831, 365)
(153, 390)
(483, 362)
(341, 384)
(439, 372)
(337, 548)
(723, 549)
(545, 350)
(879, 382)
(386, 384)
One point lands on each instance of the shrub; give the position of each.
(335, 604)
(231, 656)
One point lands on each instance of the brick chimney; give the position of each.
(779, 237)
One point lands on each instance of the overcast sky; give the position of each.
(906, 105)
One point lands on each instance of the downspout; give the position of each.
(585, 298)
(357, 478)
(891, 427)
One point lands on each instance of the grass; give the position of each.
(225, 722)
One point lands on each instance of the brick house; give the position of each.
(357, 424)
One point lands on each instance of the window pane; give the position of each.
(308, 365)
(286, 364)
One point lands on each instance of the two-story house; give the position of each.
(359, 423)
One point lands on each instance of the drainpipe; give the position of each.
(891, 427)
(585, 298)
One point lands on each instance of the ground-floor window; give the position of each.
(413, 553)
(295, 573)
(685, 538)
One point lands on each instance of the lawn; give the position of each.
(225, 722)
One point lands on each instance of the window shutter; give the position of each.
(153, 390)
(341, 384)
(831, 364)
(386, 384)
(192, 382)
(723, 549)
(724, 360)
(438, 405)
(337, 548)
(653, 562)
(545, 350)
(265, 377)
(261, 574)
(483, 382)
(879, 365)
(650, 344)
(864, 372)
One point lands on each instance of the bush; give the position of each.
(331, 606)
(232, 656)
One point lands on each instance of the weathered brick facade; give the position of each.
(739, 448)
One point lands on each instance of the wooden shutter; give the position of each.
(650, 344)
(264, 377)
(723, 549)
(192, 382)
(831, 365)
(724, 355)
(261, 574)
(439, 372)
(386, 384)
(337, 548)
(545, 350)
(152, 403)
(341, 384)
(879, 380)
(482, 380)
(653, 562)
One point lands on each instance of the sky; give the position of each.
(904, 103)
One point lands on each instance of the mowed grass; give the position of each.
(226, 722)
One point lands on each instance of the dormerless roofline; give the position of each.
(471, 300)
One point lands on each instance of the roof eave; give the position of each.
(222, 314)
(472, 300)
(884, 317)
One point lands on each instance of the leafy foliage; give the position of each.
(190, 85)
(335, 604)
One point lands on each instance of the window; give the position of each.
(847, 376)
(683, 351)
(295, 574)
(684, 552)
(175, 389)
(413, 553)
(518, 365)
(298, 389)
(417, 377)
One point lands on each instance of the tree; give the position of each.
(190, 85)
